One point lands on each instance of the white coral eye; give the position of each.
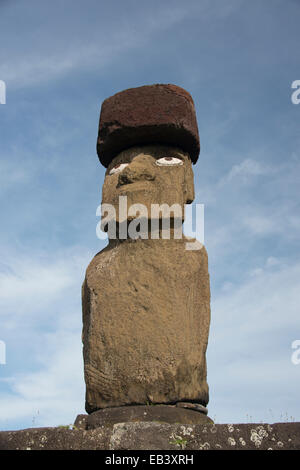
(169, 161)
(118, 168)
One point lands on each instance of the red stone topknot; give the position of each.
(151, 114)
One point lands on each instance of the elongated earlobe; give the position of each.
(189, 191)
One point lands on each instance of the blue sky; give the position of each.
(59, 61)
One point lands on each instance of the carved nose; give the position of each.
(136, 171)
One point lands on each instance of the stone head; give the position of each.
(152, 174)
(148, 140)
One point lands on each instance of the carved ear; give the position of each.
(189, 191)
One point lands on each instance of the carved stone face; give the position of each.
(148, 175)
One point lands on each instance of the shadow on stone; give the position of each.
(170, 414)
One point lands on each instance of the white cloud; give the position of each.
(254, 201)
(249, 353)
(237, 178)
(272, 261)
(54, 394)
(28, 285)
(11, 173)
(97, 51)
(30, 280)
(101, 45)
(261, 224)
(41, 325)
(271, 300)
(246, 169)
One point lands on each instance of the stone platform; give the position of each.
(153, 435)
(181, 413)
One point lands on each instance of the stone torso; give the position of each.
(146, 314)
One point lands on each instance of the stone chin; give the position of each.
(147, 175)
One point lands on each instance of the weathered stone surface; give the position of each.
(158, 436)
(146, 302)
(154, 436)
(160, 114)
(81, 421)
(159, 413)
(192, 406)
(55, 439)
(146, 314)
(142, 181)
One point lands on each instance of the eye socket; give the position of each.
(168, 161)
(118, 168)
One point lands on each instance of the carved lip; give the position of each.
(134, 186)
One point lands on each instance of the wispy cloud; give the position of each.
(40, 311)
(42, 278)
(59, 61)
(52, 395)
(11, 174)
(101, 46)
(40, 65)
(246, 204)
(245, 170)
(255, 322)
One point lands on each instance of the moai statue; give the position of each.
(146, 300)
